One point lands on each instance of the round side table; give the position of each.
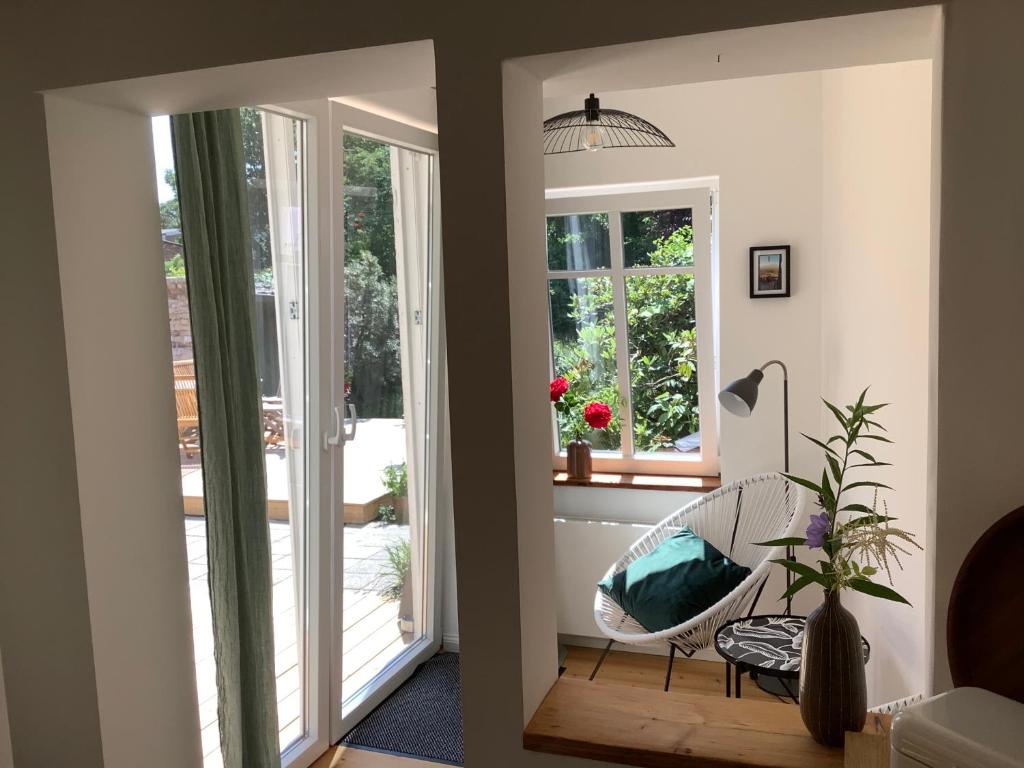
(767, 646)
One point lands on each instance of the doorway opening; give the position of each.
(830, 150)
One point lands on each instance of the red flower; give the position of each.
(559, 387)
(597, 415)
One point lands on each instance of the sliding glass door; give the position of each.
(385, 557)
(276, 172)
(346, 264)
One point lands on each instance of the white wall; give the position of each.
(762, 138)
(119, 363)
(836, 164)
(526, 284)
(593, 528)
(876, 240)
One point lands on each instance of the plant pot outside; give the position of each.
(833, 687)
(401, 504)
(405, 619)
(579, 462)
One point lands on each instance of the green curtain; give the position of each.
(218, 270)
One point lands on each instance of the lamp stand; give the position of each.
(770, 684)
(790, 552)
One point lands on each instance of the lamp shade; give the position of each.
(594, 127)
(740, 397)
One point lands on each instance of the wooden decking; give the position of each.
(371, 635)
(378, 443)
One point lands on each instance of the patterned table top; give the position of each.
(769, 644)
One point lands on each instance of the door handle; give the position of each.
(341, 435)
(355, 421)
(334, 439)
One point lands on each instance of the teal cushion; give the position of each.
(682, 577)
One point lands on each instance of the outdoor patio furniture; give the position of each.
(187, 406)
(188, 414)
(184, 369)
(732, 519)
(273, 421)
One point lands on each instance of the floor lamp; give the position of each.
(739, 398)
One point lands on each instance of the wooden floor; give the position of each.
(337, 757)
(620, 668)
(638, 726)
(648, 671)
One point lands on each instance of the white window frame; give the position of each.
(698, 200)
(328, 718)
(345, 714)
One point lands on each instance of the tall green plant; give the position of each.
(396, 479)
(856, 539)
(397, 570)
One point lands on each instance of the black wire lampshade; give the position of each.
(593, 128)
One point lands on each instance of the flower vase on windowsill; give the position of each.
(578, 413)
(578, 462)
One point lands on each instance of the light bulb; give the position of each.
(593, 137)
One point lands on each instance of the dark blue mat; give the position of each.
(423, 718)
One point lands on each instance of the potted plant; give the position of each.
(858, 543)
(580, 414)
(397, 585)
(396, 481)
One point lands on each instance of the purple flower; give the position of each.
(817, 530)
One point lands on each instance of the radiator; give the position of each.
(584, 550)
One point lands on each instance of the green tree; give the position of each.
(369, 205)
(256, 187)
(170, 213)
(374, 365)
(660, 324)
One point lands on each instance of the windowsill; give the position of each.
(693, 484)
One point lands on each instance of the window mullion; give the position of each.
(621, 337)
(653, 271)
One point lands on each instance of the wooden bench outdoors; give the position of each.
(187, 406)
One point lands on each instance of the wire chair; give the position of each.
(733, 519)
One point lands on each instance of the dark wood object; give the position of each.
(691, 483)
(985, 623)
(833, 689)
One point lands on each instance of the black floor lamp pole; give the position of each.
(739, 398)
(790, 552)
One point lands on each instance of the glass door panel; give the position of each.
(387, 243)
(274, 148)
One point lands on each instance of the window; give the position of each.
(629, 287)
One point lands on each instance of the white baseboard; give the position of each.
(450, 643)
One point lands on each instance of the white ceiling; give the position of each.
(413, 106)
(873, 38)
(381, 69)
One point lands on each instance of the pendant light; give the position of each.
(593, 128)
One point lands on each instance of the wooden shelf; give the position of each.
(643, 727)
(693, 484)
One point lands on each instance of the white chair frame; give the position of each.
(733, 519)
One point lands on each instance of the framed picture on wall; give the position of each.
(770, 271)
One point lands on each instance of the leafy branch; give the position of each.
(857, 539)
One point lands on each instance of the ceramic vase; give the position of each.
(833, 689)
(579, 463)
